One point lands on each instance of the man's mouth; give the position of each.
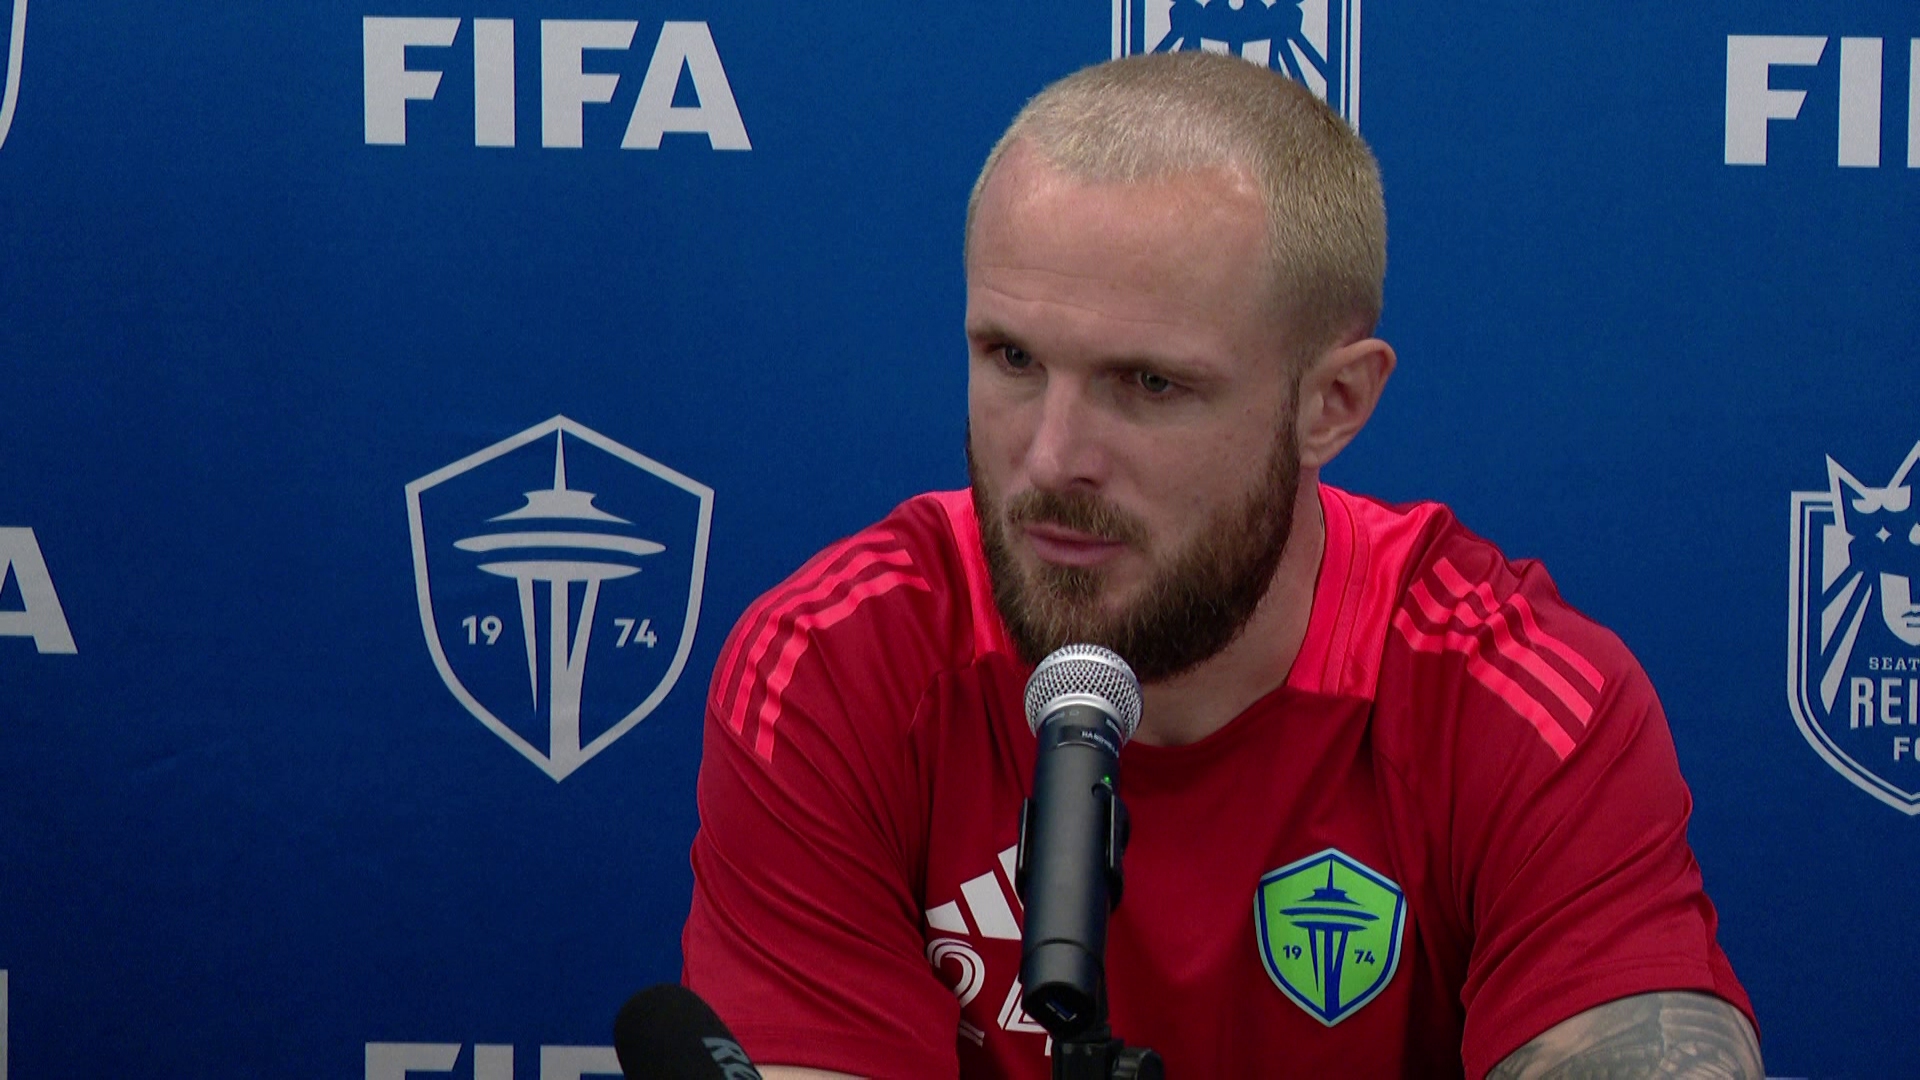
(1062, 546)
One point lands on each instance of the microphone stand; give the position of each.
(1095, 1054)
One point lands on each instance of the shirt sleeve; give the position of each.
(1564, 818)
(804, 932)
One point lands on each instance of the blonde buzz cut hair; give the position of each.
(1153, 116)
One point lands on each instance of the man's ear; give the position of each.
(1337, 395)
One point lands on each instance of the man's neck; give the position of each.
(1192, 706)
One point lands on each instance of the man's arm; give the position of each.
(1673, 1034)
(789, 1072)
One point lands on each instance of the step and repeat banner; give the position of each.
(399, 401)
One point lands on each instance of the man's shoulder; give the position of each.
(1464, 593)
(869, 621)
(1468, 629)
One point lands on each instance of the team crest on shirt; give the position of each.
(1853, 629)
(1329, 929)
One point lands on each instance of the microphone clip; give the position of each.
(1114, 850)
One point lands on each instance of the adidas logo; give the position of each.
(986, 911)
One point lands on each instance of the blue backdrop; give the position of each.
(297, 779)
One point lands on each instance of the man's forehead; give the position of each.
(1206, 228)
(1172, 269)
(1026, 174)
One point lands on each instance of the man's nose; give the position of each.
(1068, 446)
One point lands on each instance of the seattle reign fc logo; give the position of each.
(547, 549)
(1853, 629)
(1314, 42)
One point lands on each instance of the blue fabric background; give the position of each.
(246, 830)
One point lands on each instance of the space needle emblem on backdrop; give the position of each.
(547, 550)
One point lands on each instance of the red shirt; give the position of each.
(1451, 732)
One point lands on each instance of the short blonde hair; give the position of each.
(1151, 116)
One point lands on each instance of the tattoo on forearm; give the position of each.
(1674, 1034)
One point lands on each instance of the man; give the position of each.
(1174, 267)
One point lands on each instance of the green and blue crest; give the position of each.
(1329, 931)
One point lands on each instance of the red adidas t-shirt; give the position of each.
(1458, 822)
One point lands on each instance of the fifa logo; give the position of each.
(1853, 667)
(541, 552)
(23, 574)
(1314, 42)
(15, 46)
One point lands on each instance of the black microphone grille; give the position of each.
(667, 1032)
(1088, 671)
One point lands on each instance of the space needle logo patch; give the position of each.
(1329, 930)
(1853, 628)
(559, 575)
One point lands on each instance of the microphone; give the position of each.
(666, 1032)
(1083, 703)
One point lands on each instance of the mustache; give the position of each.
(1079, 511)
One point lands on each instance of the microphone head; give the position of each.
(666, 1032)
(1085, 671)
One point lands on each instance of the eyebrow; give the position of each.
(986, 329)
(1192, 370)
(1179, 369)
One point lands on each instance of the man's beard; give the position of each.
(1197, 600)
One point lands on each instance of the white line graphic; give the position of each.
(16, 44)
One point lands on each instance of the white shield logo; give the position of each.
(16, 45)
(1314, 42)
(543, 551)
(1853, 630)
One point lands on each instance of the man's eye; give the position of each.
(1015, 357)
(1153, 383)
